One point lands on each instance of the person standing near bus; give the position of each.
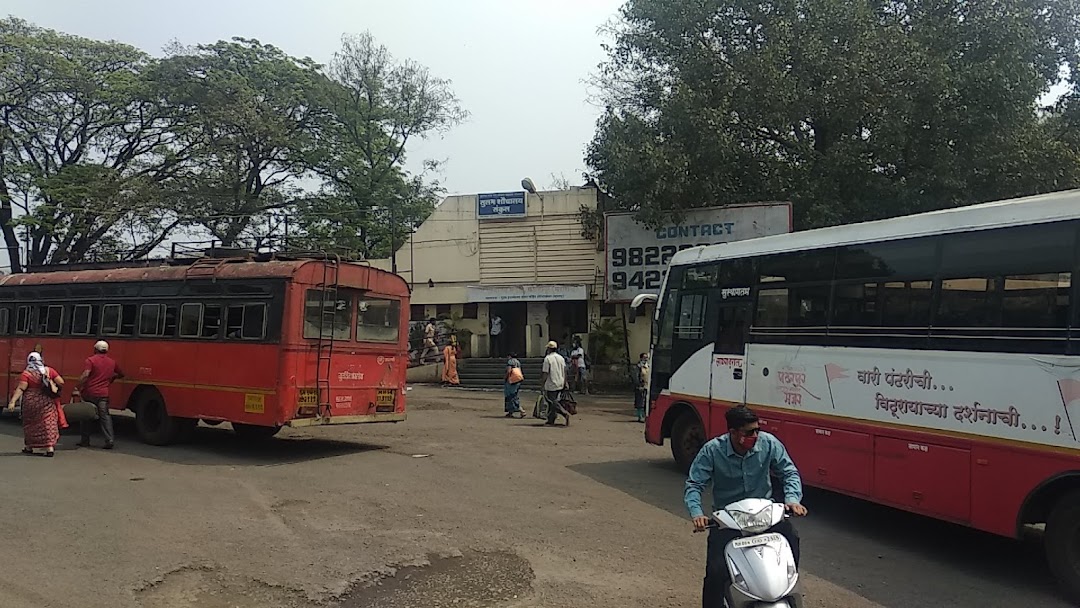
(738, 465)
(641, 386)
(99, 372)
(42, 416)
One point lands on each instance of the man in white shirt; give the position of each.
(580, 368)
(553, 373)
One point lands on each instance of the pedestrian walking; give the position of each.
(554, 376)
(40, 387)
(512, 387)
(99, 372)
(430, 350)
(450, 353)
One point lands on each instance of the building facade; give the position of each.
(519, 257)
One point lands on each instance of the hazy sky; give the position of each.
(520, 67)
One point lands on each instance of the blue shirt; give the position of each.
(736, 477)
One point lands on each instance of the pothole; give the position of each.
(208, 587)
(474, 580)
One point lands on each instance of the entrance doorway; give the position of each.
(566, 319)
(514, 324)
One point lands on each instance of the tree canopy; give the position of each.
(107, 152)
(851, 110)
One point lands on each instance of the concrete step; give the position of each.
(489, 373)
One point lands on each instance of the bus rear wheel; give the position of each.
(687, 437)
(1062, 540)
(153, 422)
(253, 432)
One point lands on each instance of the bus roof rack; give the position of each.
(189, 254)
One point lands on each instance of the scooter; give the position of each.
(761, 564)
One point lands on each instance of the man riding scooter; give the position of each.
(738, 465)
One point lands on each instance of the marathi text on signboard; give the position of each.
(637, 257)
(500, 205)
(527, 293)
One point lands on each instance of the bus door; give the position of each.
(728, 384)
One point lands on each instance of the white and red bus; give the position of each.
(259, 344)
(930, 362)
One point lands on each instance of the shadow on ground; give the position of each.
(894, 558)
(211, 446)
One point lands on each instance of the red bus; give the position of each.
(259, 344)
(930, 363)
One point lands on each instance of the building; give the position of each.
(517, 256)
(525, 259)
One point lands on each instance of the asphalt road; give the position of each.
(456, 507)
(893, 558)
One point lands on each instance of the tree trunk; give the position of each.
(11, 240)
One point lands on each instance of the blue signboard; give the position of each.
(500, 205)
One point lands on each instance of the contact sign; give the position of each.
(638, 256)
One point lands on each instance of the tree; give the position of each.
(852, 110)
(377, 104)
(251, 119)
(85, 143)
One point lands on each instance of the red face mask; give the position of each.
(748, 441)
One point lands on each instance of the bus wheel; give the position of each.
(152, 420)
(687, 437)
(1062, 540)
(253, 432)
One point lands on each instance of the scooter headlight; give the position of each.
(754, 523)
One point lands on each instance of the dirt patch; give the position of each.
(209, 587)
(474, 580)
(430, 406)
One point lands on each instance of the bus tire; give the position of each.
(1062, 540)
(687, 437)
(152, 420)
(254, 432)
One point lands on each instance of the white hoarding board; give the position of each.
(637, 257)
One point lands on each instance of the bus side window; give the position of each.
(84, 320)
(110, 319)
(49, 320)
(190, 320)
(211, 321)
(245, 322)
(151, 320)
(22, 320)
(171, 320)
(5, 320)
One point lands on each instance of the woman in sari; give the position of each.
(41, 412)
(449, 373)
(512, 387)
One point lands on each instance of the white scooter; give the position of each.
(761, 565)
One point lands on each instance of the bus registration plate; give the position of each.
(754, 541)
(384, 400)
